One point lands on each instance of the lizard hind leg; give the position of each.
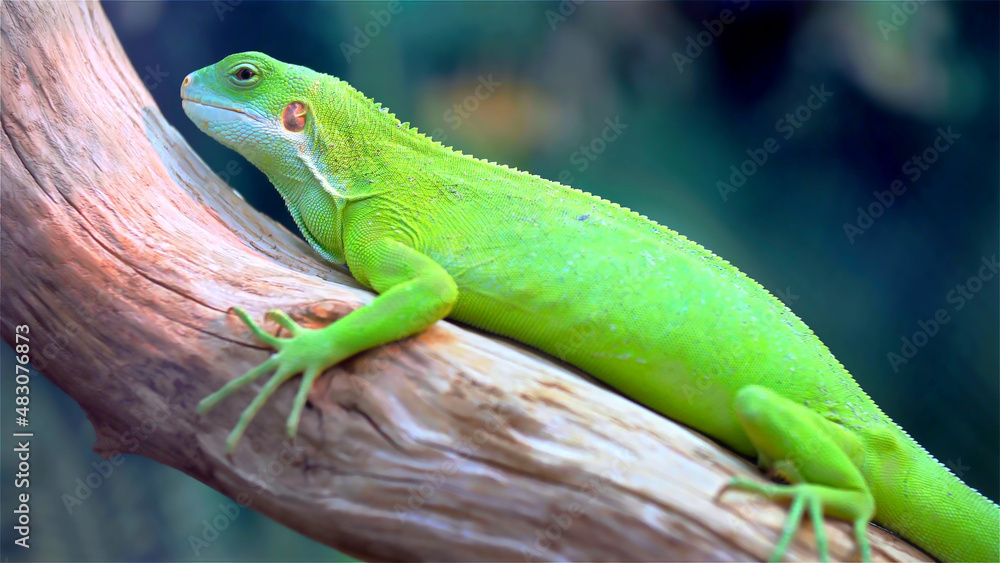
(816, 455)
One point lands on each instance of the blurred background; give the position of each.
(670, 109)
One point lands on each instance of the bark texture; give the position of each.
(122, 252)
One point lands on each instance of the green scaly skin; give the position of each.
(437, 233)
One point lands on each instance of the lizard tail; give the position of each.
(923, 501)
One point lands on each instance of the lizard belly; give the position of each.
(642, 339)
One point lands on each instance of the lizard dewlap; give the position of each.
(437, 233)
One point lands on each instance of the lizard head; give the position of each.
(258, 106)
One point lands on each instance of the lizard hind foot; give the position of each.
(802, 496)
(814, 454)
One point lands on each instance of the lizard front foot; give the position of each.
(307, 352)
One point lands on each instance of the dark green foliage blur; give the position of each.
(669, 109)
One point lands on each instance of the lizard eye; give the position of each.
(243, 74)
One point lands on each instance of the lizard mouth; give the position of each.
(206, 104)
(204, 111)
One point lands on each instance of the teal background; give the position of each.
(563, 69)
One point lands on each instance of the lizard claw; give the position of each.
(286, 322)
(261, 334)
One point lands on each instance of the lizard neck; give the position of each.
(351, 153)
(316, 203)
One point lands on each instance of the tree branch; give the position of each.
(122, 252)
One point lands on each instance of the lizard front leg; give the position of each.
(414, 293)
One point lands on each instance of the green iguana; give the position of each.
(437, 233)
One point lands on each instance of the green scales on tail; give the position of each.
(438, 233)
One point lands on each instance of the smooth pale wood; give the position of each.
(122, 252)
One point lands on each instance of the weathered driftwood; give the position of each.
(122, 252)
